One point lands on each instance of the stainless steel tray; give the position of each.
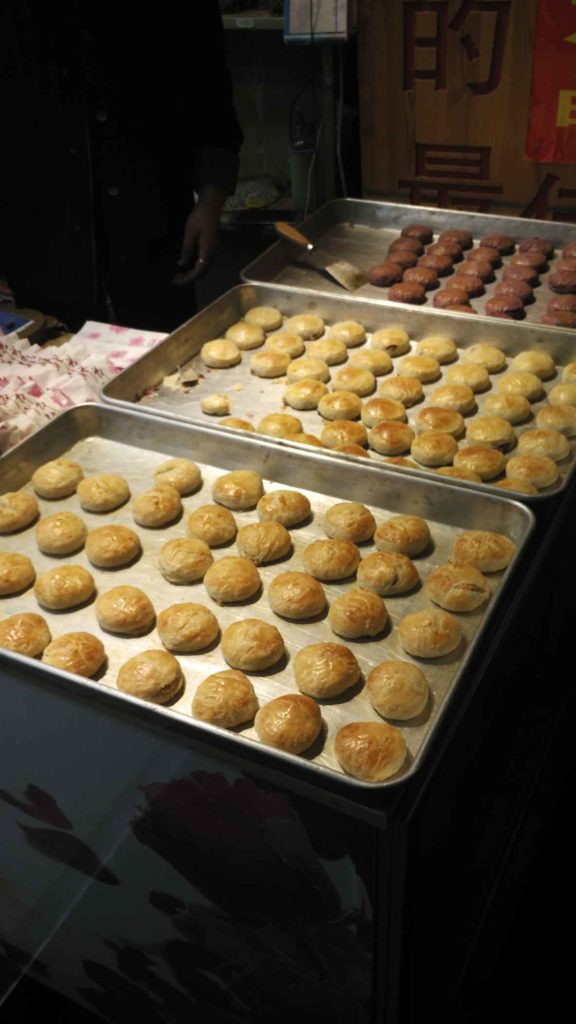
(132, 443)
(253, 397)
(361, 231)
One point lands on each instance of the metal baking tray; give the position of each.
(254, 397)
(132, 443)
(360, 231)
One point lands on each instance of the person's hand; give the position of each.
(201, 235)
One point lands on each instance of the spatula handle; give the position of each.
(286, 230)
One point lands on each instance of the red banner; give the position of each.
(552, 117)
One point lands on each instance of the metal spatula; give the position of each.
(344, 273)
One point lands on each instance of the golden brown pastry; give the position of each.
(398, 689)
(339, 432)
(488, 356)
(237, 423)
(66, 586)
(423, 368)
(220, 353)
(407, 390)
(270, 363)
(16, 572)
(373, 359)
(431, 633)
(539, 363)
(112, 546)
(387, 572)
(389, 437)
(184, 561)
(325, 670)
(409, 535)
(286, 507)
(401, 460)
(81, 653)
(563, 394)
(340, 405)
(394, 340)
(296, 595)
(308, 368)
(447, 421)
(493, 431)
(182, 474)
(370, 751)
(279, 424)
(484, 549)
(245, 336)
(357, 613)
(331, 559)
(544, 442)
(239, 489)
(351, 449)
(252, 645)
(458, 587)
(60, 533)
(569, 372)
(305, 325)
(151, 675)
(17, 510)
(329, 350)
(57, 479)
(264, 542)
(125, 610)
(434, 448)
(232, 579)
(25, 633)
(521, 486)
(217, 404)
(539, 470)
(349, 520)
(267, 317)
(458, 397)
(212, 524)
(304, 438)
(485, 462)
(519, 382)
(157, 507)
(305, 394)
(352, 378)
(440, 347)
(378, 409)
(103, 493)
(460, 474)
(187, 627)
(349, 332)
(226, 698)
(557, 417)
(291, 722)
(288, 343)
(468, 375)
(509, 406)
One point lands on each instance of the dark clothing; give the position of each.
(111, 115)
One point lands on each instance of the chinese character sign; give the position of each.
(552, 120)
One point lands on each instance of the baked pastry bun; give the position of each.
(66, 586)
(370, 751)
(110, 547)
(183, 561)
(220, 353)
(151, 675)
(60, 533)
(353, 378)
(291, 722)
(213, 524)
(407, 390)
(226, 699)
(331, 559)
(157, 507)
(81, 653)
(569, 371)
(539, 470)
(349, 332)
(264, 542)
(423, 368)
(103, 493)
(57, 479)
(296, 595)
(267, 317)
(349, 520)
(216, 404)
(240, 489)
(508, 406)
(378, 409)
(398, 689)
(232, 579)
(561, 394)
(24, 633)
(245, 336)
(286, 507)
(182, 474)
(325, 670)
(447, 421)
(557, 417)
(305, 325)
(469, 375)
(458, 397)
(16, 572)
(357, 613)
(279, 424)
(394, 340)
(544, 442)
(519, 382)
(305, 394)
(329, 350)
(521, 486)
(187, 627)
(484, 549)
(126, 610)
(493, 431)
(459, 473)
(485, 462)
(458, 587)
(431, 633)
(286, 342)
(409, 535)
(237, 423)
(351, 449)
(440, 347)
(308, 368)
(389, 437)
(340, 405)
(339, 432)
(434, 448)
(539, 363)
(387, 572)
(252, 645)
(489, 356)
(17, 510)
(376, 360)
(270, 363)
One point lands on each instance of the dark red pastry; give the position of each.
(520, 289)
(460, 309)
(503, 243)
(404, 258)
(450, 297)
(385, 273)
(477, 268)
(563, 282)
(462, 238)
(562, 303)
(441, 264)
(569, 250)
(566, 263)
(421, 275)
(407, 243)
(505, 305)
(451, 249)
(423, 232)
(469, 283)
(485, 254)
(530, 258)
(562, 318)
(543, 244)
(407, 292)
(527, 274)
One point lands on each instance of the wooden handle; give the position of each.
(288, 231)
